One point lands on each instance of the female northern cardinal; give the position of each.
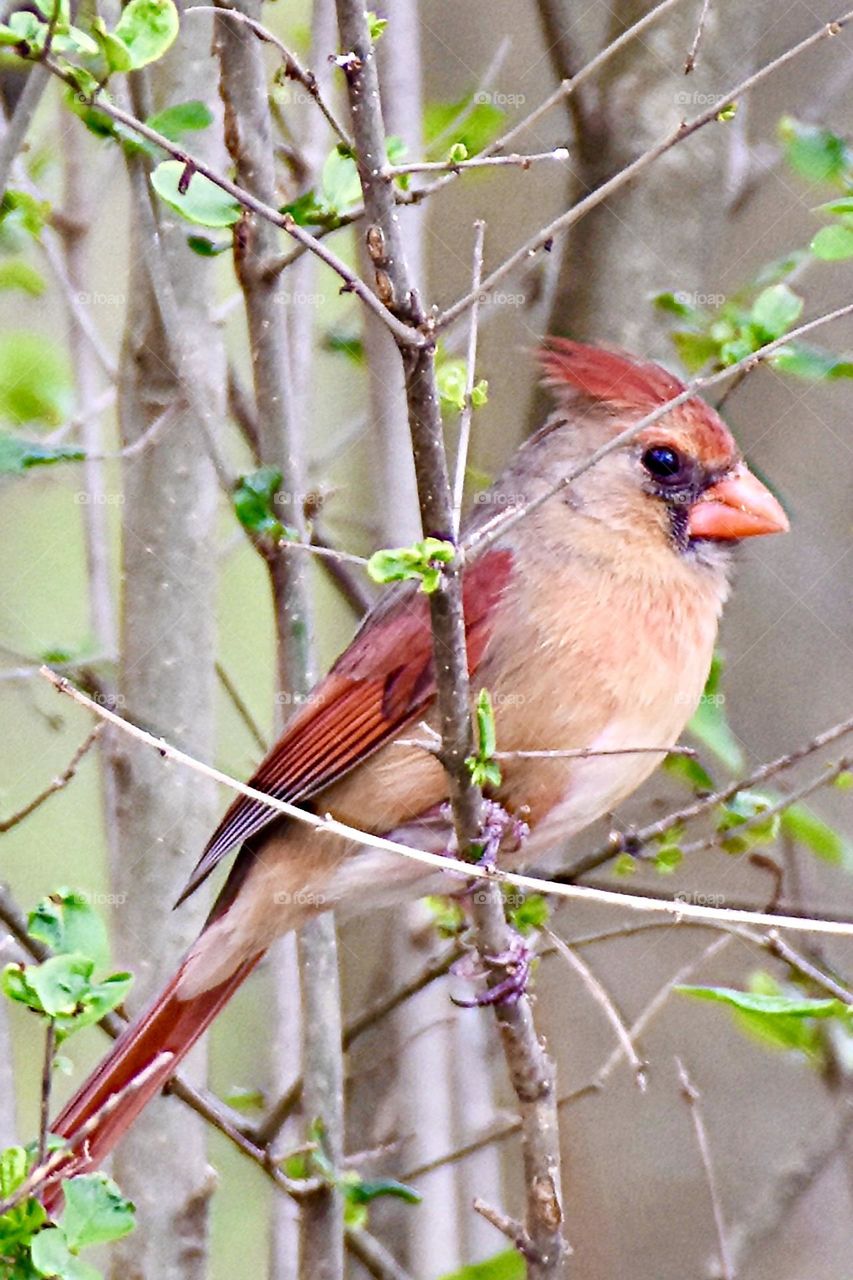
(592, 623)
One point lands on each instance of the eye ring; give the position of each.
(663, 463)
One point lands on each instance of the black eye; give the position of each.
(662, 462)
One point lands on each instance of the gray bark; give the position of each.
(166, 677)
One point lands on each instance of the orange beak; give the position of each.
(739, 506)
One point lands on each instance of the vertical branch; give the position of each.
(248, 135)
(530, 1069)
(75, 231)
(171, 354)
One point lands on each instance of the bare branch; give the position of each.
(690, 61)
(685, 129)
(631, 902)
(602, 998)
(691, 1096)
(513, 160)
(623, 842)
(60, 781)
(497, 527)
(293, 68)
(468, 407)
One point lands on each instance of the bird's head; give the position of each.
(681, 481)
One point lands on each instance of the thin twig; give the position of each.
(60, 781)
(691, 1096)
(20, 121)
(594, 1085)
(690, 60)
(442, 862)
(685, 129)
(46, 1086)
(468, 404)
(603, 998)
(500, 525)
(271, 1124)
(621, 842)
(241, 707)
(514, 160)
(293, 68)
(194, 164)
(509, 1227)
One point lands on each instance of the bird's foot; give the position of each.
(515, 963)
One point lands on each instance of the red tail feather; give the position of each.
(108, 1100)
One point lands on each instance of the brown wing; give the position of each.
(384, 679)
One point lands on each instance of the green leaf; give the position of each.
(486, 724)
(307, 211)
(17, 274)
(147, 28)
(625, 865)
(35, 380)
(457, 153)
(13, 1170)
(203, 202)
(359, 1190)
(182, 118)
(346, 342)
(728, 112)
(744, 807)
(674, 305)
(375, 25)
(54, 987)
(508, 1265)
(833, 244)
(62, 988)
(816, 154)
(66, 923)
(206, 248)
(254, 503)
(775, 310)
(668, 859)
(803, 825)
(529, 915)
(22, 217)
(694, 349)
(690, 771)
(452, 379)
(478, 122)
(51, 1256)
(17, 456)
(812, 363)
(709, 724)
(770, 1005)
(95, 1211)
(339, 182)
(479, 394)
(422, 561)
(115, 52)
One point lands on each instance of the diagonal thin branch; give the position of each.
(442, 862)
(692, 1097)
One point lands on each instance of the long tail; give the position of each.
(140, 1062)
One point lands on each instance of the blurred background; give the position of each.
(722, 216)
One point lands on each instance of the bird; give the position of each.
(591, 620)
